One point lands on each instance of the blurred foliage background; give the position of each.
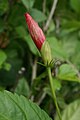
(19, 68)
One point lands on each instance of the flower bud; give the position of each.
(46, 53)
(35, 31)
(39, 39)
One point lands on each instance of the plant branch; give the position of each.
(44, 9)
(41, 98)
(53, 92)
(50, 15)
(34, 70)
(44, 6)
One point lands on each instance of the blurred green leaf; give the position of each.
(72, 111)
(70, 44)
(57, 84)
(4, 5)
(2, 25)
(72, 25)
(7, 66)
(37, 15)
(22, 87)
(75, 4)
(16, 17)
(23, 34)
(56, 48)
(61, 102)
(2, 88)
(76, 57)
(28, 3)
(47, 90)
(32, 46)
(3, 57)
(19, 108)
(66, 72)
(21, 31)
(8, 77)
(51, 27)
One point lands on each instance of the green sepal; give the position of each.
(46, 53)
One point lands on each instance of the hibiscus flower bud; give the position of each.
(39, 39)
(35, 31)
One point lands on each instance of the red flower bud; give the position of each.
(35, 31)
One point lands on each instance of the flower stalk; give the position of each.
(53, 92)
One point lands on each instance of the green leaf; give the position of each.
(14, 107)
(69, 45)
(57, 84)
(2, 88)
(51, 27)
(75, 4)
(56, 48)
(28, 3)
(72, 112)
(2, 25)
(37, 15)
(76, 56)
(71, 25)
(66, 72)
(16, 16)
(21, 31)
(8, 77)
(23, 34)
(4, 5)
(32, 46)
(7, 66)
(3, 57)
(22, 87)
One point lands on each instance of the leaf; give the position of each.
(72, 112)
(2, 88)
(2, 25)
(28, 3)
(76, 56)
(57, 84)
(66, 72)
(56, 48)
(14, 107)
(4, 5)
(3, 57)
(21, 31)
(7, 66)
(32, 46)
(69, 45)
(51, 27)
(75, 4)
(22, 87)
(23, 34)
(37, 15)
(8, 77)
(71, 25)
(16, 16)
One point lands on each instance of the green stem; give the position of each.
(53, 92)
